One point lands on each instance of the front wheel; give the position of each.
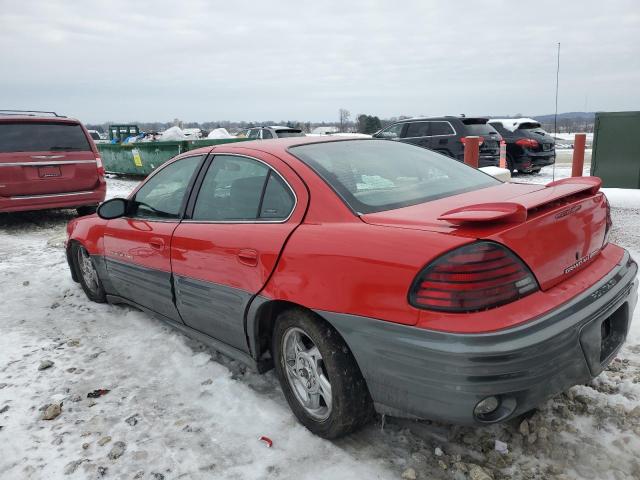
(87, 274)
(319, 376)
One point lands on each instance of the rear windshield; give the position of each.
(42, 137)
(480, 129)
(529, 126)
(377, 175)
(289, 133)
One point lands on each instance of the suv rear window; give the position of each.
(480, 129)
(42, 137)
(377, 175)
(529, 126)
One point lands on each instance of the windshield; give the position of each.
(42, 137)
(377, 175)
(289, 133)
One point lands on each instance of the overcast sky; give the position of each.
(204, 60)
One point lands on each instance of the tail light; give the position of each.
(474, 277)
(100, 167)
(480, 140)
(527, 143)
(609, 224)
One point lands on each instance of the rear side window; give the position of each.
(42, 137)
(242, 189)
(418, 129)
(266, 134)
(376, 175)
(441, 128)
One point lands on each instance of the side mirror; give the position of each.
(114, 208)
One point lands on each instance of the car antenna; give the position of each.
(555, 116)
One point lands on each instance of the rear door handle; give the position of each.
(156, 243)
(248, 256)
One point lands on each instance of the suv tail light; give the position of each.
(100, 167)
(527, 143)
(474, 277)
(480, 140)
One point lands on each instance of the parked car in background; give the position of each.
(371, 274)
(446, 135)
(48, 161)
(275, 131)
(529, 147)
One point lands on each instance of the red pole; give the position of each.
(578, 154)
(472, 151)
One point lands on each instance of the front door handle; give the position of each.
(156, 243)
(248, 256)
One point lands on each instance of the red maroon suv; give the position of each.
(48, 161)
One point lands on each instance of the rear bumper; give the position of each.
(22, 203)
(442, 376)
(525, 162)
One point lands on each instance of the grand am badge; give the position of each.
(580, 262)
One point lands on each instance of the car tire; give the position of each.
(310, 355)
(87, 274)
(86, 210)
(510, 164)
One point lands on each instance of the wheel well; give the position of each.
(74, 274)
(264, 323)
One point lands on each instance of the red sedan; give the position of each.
(373, 275)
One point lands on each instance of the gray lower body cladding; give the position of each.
(442, 376)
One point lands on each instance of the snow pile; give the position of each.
(172, 134)
(219, 133)
(501, 174)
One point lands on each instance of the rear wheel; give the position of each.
(87, 274)
(86, 210)
(318, 375)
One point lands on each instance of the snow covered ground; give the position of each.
(176, 409)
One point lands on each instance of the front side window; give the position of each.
(254, 133)
(373, 175)
(266, 134)
(242, 189)
(392, 132)
(161, 197)
(418, 129)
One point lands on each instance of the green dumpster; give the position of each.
(616, 149)
(143, 158)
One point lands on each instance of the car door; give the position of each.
(244, 211)
(137, 246)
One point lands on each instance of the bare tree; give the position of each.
(344, 118)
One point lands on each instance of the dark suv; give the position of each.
(48, 161)
(529, 147)
(445, 135)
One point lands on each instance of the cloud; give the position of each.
(205, 60)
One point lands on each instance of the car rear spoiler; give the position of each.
(517, 211)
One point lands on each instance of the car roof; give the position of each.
(276, 146)
(6, 118)
(443, 118)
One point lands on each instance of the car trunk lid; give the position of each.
(556, 229)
